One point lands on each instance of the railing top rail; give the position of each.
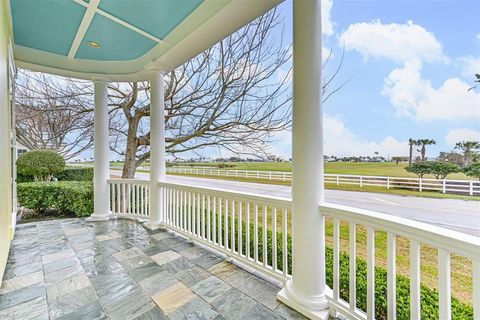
(132, 181)
(452, 241)
(278, 201)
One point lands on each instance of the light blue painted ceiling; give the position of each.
(46, 25)
(117, 42)
(51, 26)
(156, 17)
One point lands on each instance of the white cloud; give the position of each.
(327, 24)
(397, 42)
(456, 135)
(471, 66)
(341, 141)
(414, 96)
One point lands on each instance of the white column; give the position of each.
(305, 292)
(101, 164)
(157, 150)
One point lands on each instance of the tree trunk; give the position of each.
(411, 154)
(424, 150)
(130, 161)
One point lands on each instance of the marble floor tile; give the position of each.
(26, 310)
(210, 288)
(21, 282)
(127, 254)
(20, 296)
(64, 287)
(92, 311)
(158, 283)
(112, 287)
(207, 260)
(195, 309)
(233, 304)
(130, 306)
(22, 270)
(108, 236)
(260, 312)
(192, 253)
(71, 302)
(192, 276)
(173, 297)
(49, 258)
(288, 313)
(165, 256)
(223, 270)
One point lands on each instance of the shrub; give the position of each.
(473, 170)
(441, 169)
(420, 168)
(69, 174)
(67, 197)
(75, 174)
(41, 164)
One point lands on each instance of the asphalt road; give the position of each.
(459, 215)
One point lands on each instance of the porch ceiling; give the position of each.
(119, 39)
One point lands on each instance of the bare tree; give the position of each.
(53, 113)
(234, 96)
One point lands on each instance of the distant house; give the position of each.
(21, 149)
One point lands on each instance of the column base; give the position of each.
(153, 226)
(98, 217)
(316, 309)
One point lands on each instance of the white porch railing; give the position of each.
(234, 224)
(467, 187)
(129, 198)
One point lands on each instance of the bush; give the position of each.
(75, 174)
(441, 169)
(473, 170)
(40, 164)
(65, 197)
(69, 174)
(420, 168)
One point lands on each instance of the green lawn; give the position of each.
(356, 168)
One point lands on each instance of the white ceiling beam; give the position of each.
(129, 26)
(82, 29)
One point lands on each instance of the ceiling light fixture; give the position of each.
(94, 44)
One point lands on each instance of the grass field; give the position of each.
(356, 168)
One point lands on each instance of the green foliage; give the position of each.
(420, 168)
(41, 164)
(67, 197)
(441, 169)
(75, 174)
(473, 170)
(69, 174)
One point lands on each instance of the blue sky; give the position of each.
(410, 63)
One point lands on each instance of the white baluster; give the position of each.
(370, 273)
(391, 276)
(353, 267)
(336, 259)
(444, 288)
(414, 280)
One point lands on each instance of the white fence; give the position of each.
(467, 187)
(234, 224)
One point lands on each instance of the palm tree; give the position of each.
(424, 143)
(411, 143)
(467, 148)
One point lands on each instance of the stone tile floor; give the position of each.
(72, 269)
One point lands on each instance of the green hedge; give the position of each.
(67, 197)
(429, 297)
(75, 174)
(69, 174)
